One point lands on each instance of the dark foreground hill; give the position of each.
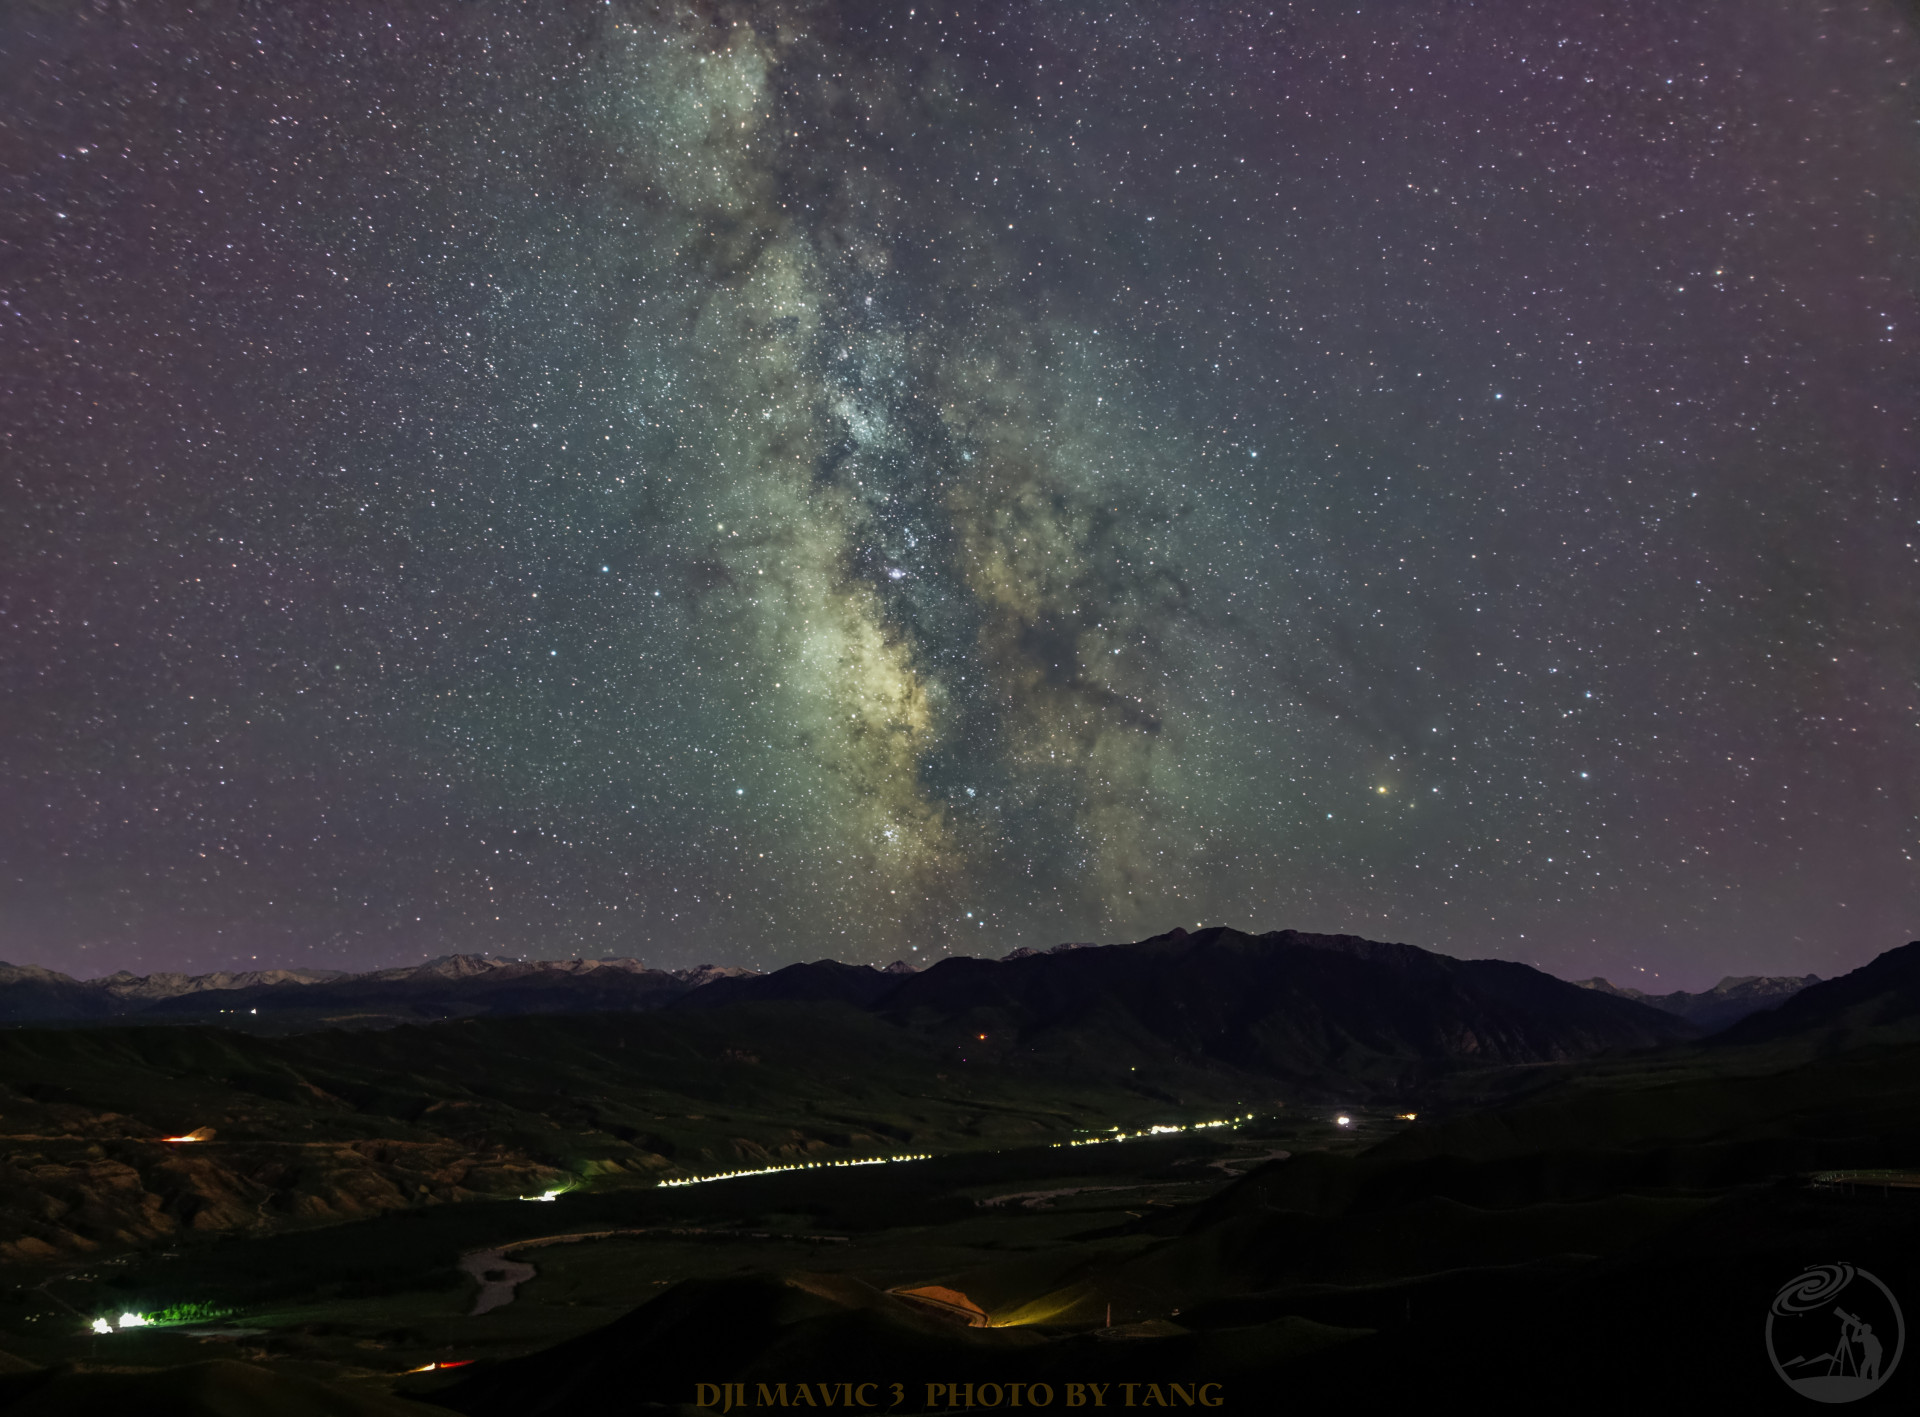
(218, 1388)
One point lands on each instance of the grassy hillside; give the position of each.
(820, 1061)
(336, 1126)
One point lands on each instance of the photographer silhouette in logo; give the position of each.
(1855, 1330)
(1858, 1363)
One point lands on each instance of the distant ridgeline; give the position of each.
(279, 1001)
(292, 1000)
(1727, 1002)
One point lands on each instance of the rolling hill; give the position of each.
(814, 1062)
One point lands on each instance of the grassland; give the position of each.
(334, 1127)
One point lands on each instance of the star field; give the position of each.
(752, 482)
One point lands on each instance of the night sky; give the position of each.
(756, 482)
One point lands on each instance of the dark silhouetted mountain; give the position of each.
(1877, 1003)
(703, 974)
(825, 981)
(29, 994)
(1334, 1008)
(1727, 1002)
(1327, 1007)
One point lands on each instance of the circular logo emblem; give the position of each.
(1835, 1333)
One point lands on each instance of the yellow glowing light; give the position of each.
(1381, 790)
(1407, 1116)
(798, 1166)
(1155, 1131)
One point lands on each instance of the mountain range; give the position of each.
(292, 1000)
(1335, 1009)
(1727, 1002)
(478, 985)
(1877, 1003)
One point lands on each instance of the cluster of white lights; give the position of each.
(126, 1321)
(545, 1196)
(1118, 1135)
(798, 1166)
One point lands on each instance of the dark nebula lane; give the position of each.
(754, 482)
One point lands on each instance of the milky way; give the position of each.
(752, 482)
